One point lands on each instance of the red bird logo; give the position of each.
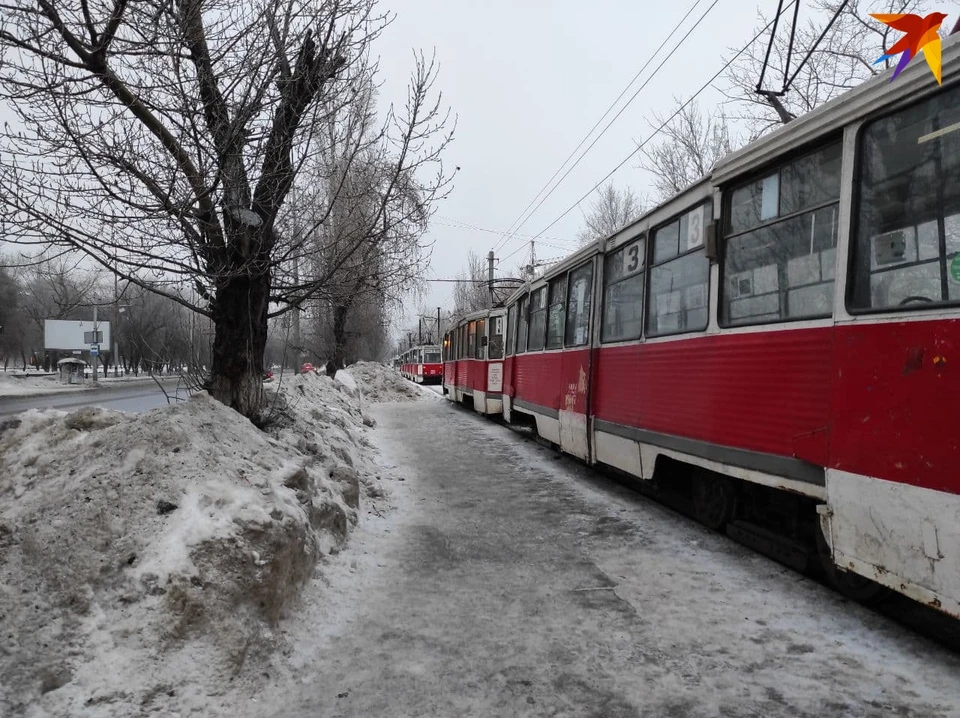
(922, 33)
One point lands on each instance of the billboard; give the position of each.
(68, 334)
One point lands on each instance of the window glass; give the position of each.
(810, 181)
(906, 253)
(779, 269)
(538, 319)
(623, 293)
(679, 288)
(578, 306)
(431, 356)
(472, 340)
(555, 314)
(511, 328)
(495, 347)
(522, 324)
(481, 335)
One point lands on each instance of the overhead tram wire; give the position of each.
(510, 230)
(622, 109)
(658, 130)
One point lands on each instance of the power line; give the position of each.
(457, 224)
(665, 123)
(507, 238)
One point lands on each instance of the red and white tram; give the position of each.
(473, 360)
(422, 364)
(787, 328)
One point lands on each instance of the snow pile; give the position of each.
(382, 383)
(140, 551)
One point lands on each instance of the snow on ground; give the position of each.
(19, 384)
(146, 559)
(510, 582)
(382, 384)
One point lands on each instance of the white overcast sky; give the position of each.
(528, 79)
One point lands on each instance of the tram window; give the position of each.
(522, 324)
(538, 318)
(680, 275)
(495, 347)
(906, 252)
(481, 346)
(472, 340)
(623, 281)
(431, 356)
(511, 329)
(555, 323)
(783, 266)
(578, 305)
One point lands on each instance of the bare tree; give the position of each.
(613, 209)
(368, 204)
(841, 61)
(162, 139)
(471, 290)
(692, 144)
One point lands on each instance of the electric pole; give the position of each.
(439, 333)
(490, 259)
(95, 355)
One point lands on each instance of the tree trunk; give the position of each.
(339, 340)
(240, 339)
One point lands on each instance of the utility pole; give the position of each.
(420, 330)
(95, 358)
(490, 259)
(439, 333)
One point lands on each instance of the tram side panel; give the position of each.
(537, 389)
(893, 482)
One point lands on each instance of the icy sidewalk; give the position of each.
(146, 559)
(508, 583)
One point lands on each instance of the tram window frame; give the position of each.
(798, 211)
(681, 222)
(633, 267)
(480, 345)
(471, 339)
(537, 296)
(495, 343)
(523, 323)
(556, 297)
(897, 249)
(509, 349)
(582, 307)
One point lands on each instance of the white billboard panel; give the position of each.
(67, 334)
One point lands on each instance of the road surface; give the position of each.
(510, 582)
(139, 397)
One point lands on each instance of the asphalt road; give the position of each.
(505, 581)
(137, 398)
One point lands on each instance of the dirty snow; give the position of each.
(510, 582)
(379, 383)
(146, 559)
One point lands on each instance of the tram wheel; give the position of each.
(714, 500)
(850, 584)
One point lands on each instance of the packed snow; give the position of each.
(146, 559)
(379, 384)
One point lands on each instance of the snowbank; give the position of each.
(140, 551)
(380, 383)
